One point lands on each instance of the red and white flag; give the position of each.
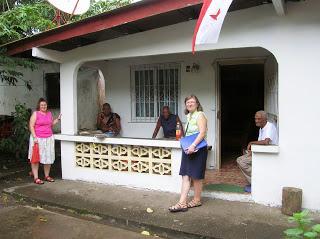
(210, 21)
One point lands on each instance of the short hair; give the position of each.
(106, 104)
(263, 114)
(166, 107)
(199, 108)
(40, 101)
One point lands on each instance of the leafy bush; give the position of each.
(304, 228)
(17, 144)
(23, 20)
(9, 69)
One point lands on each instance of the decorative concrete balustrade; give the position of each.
(124, 158)
(133, 162)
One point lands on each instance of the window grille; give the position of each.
(154, 86)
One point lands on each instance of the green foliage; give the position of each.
(17, 144)
(102, 6)
(304, 228)
(27, 17)
(9, 72)
(23, 18)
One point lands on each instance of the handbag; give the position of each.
(186, 141)
(35, 154)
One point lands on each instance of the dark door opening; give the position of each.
(242, 94)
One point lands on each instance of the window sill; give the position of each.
(268, 149)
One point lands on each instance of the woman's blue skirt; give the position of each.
(194, 165)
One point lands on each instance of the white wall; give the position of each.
(293, 39)
(87, 84)
(19, 94)
(12, 95)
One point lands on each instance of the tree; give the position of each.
(20, 19)
(9, 72)
(102, 6)
(23, 18)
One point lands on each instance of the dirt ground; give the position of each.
(24, 220)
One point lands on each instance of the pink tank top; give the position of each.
(43, 125)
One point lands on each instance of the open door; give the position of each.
(242, 84)
(271, 89)
(218, 118)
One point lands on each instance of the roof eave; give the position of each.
(117, 17)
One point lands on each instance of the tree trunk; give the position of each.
(291, 200)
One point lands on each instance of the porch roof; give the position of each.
(137, 17)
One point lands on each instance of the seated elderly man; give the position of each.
(108, 122)
(267, 135)
(168, 122)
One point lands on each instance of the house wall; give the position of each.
(12, 95)
(87, 87)
(293, 41)
(19, 94)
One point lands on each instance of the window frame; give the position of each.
(46, 78)
(155, 68)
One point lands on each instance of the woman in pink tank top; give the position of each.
(41, 123)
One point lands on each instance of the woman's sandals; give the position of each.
(38, 181)
(193, 204)
(179, 207)
(49, 179)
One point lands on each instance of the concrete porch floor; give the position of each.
(228, 174)
(127, 207)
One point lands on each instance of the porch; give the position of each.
(137, 88)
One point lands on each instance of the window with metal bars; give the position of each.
(154, 86)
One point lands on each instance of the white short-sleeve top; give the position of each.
(269, 131)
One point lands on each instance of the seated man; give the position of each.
(108, 122)
(168, 122)
(267, 135)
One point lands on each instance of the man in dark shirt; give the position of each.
(108, 122)
(168, 122)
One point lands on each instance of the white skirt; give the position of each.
(46, 149)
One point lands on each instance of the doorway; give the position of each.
(241, 91)
(242, 94)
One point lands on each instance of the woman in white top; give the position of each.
(193, 162)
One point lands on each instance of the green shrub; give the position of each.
(305, 228)
(17, 143)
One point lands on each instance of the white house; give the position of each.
(267, 53)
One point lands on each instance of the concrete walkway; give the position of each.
(127, 207)
(23, 222)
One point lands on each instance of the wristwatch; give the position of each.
(193, 144)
